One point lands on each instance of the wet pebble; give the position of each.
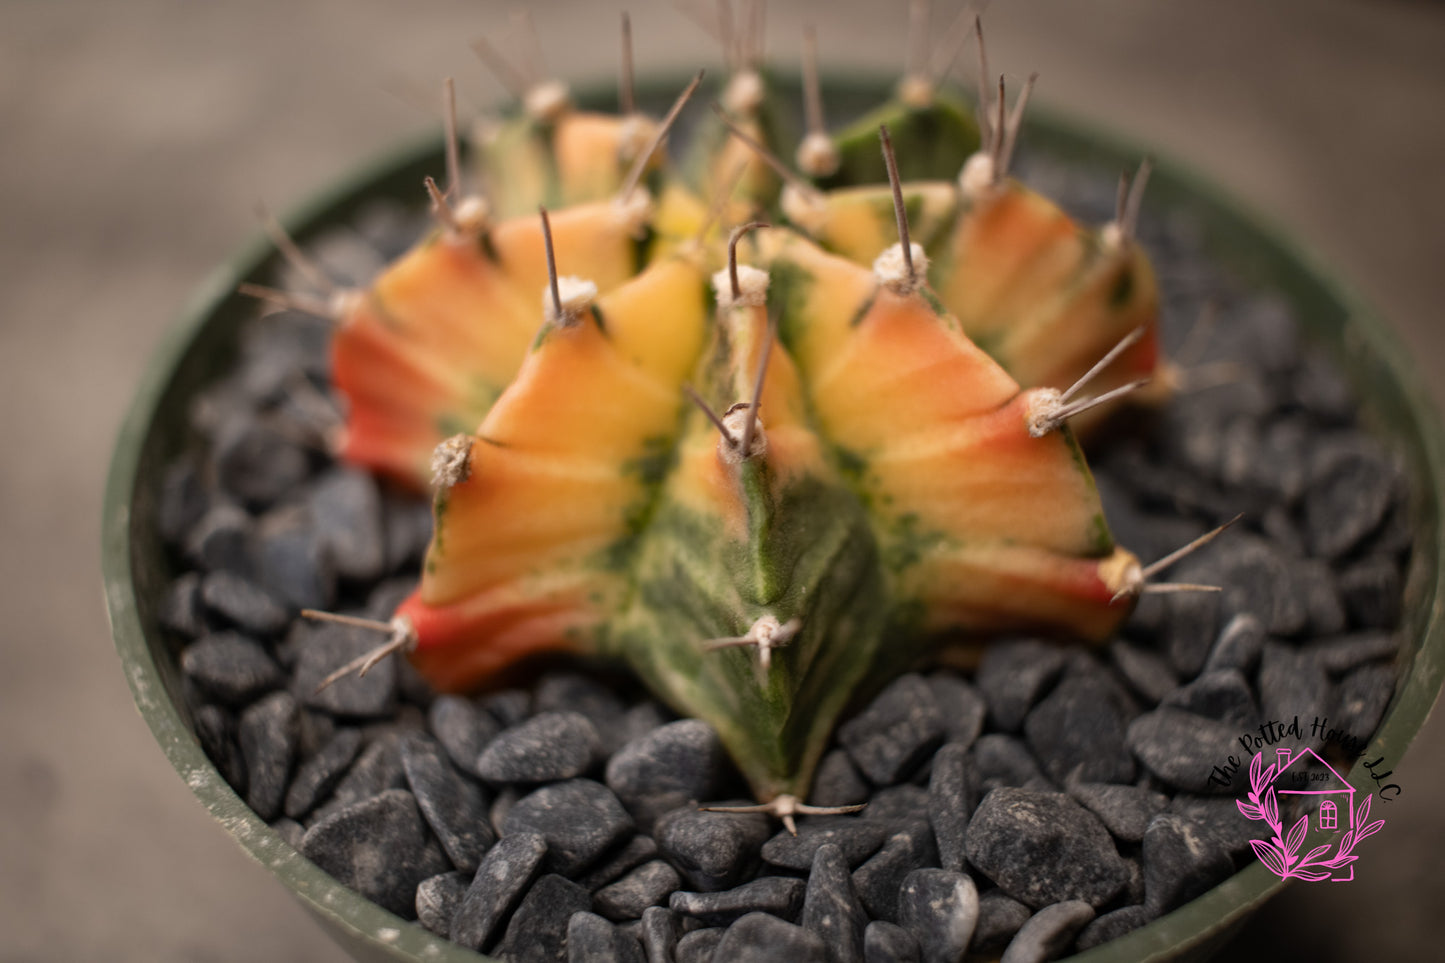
(378, 847)
(454, 807)
(1048, 933)
(267, 733)
(889, 738)
(502, 877)
(940, 908)
(230, 667)
(1043, 848)
(546, 747)
(580, 820)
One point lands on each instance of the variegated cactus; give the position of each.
(767, 468)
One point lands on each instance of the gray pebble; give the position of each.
(1316, 584)
(1361, 698)
(243, 603)
(676, 764)
(885, 942)
(838, 782)
(999, 917)
(1345, 653)
(1222, 695)
(504, 874)
(621, 861)
(940, 908)
(318, 775)
(183, 500)
(782, 896)
(1111, 926)
(220, 540)
(760, 938)
(1256, 578)
(579, 818)
(292, 563)
(323, 647)
(547, 747)
(1043, 848)
(1013, 674)
(1190, 621)
(700, 946)
(648, 885)
(889, 738)
(963, 707)
(437, 900)
(1076, 730)
(660, 932)
(1179, 864)
(831, 908)
(1147, 673)
(255, 463)
(289, 830)
(1239, 645)
(537, 932)
(1182, 749)
(1353, 485)
(216, 732)
(591, 939)
(713, 851)
(462, 729)
(856, 840)
(1292, 682)
(454, 807)
(1371, 592)
(508, 706)
(593, 697)
(949, 804)
(898, 804)
(1217, 821)
(378, 847)
(1000, 760)
(230, 668)
(182, 610)
(346, 506)
(879, 879)
(1049, 932)
(502, 804)
(268, 733)
(1124, 810)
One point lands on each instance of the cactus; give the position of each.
(767, 468)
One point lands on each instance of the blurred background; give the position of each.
(138, 136)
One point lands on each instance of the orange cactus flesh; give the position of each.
(425, 353)
(557, 477)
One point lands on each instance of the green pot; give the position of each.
(203, 343)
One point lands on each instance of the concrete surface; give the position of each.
(136, 138)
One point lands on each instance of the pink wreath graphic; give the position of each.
(1280, 853)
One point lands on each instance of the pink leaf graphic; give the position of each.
(1296, 835)
(1256, 766)
(1315, 853)
(1270, 773)
(1339, 861)
(1271, 807)
(1310, 875)
(1370, 830)
(1347, 841)
(1269, 856)
(1248, 811)
(1363, 812)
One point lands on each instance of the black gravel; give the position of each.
(1052, 799)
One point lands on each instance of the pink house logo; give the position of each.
(1331, 819)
